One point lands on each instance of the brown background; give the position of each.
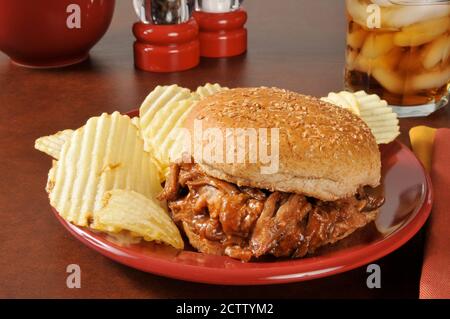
(293, 44)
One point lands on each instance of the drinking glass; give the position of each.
(400, 50)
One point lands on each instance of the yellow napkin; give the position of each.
(432, 145)
(422, 139)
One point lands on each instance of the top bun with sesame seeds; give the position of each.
(323, 151)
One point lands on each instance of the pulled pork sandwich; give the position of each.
(321, 192)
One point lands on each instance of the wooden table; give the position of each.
(298, 45)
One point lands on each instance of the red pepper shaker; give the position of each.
(166, 36)
(222, 31)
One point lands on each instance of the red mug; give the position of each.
(52, 33)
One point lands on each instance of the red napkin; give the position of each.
(435, 278)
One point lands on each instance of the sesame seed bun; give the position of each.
(325, 151)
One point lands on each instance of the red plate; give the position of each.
(408, 194)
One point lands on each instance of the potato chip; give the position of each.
(155, 101)
(141, 216)
(165, 138)
(343, 99)
(380, 118)
(52, 144)
(207, 90)
(123, 238)
(105, 154)
(162, 134)
(181, 140)
(51, 178)
(351, 100)
(162, 114)
(136, 122)
(335, 99)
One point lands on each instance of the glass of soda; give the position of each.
(400, 50)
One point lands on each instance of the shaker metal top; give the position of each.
(217, 6)
(164, 11)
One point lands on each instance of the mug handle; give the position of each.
(139, 8)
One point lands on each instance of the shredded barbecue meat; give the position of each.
(242, 222)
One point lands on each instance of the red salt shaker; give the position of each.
(222, 31)
(166, 36)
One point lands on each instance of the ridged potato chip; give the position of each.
(181, 143)
(52, 144)
(380, 118)
(158, 99)
(51, 178)
(343, 99)
(207, 90)
(105, 154)
(162, 134)
(162, 114)
(123, 238)
(126, 210)
(166, 123)
(136, 122)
